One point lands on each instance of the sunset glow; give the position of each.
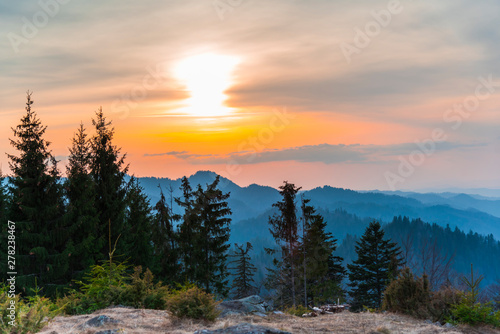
(284, 89)
(206, 77)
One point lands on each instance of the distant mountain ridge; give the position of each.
(461, 210)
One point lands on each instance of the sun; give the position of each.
(206, 76)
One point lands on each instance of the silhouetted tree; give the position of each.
(283, 228)
(244, 272)
(37, 207)
(82, 221)
(377, 264)
(108, 171)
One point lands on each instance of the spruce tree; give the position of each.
(4, 201)
(214, 215)
(283, 228)
(377, 264)
(244, 271)
(165, 242)
(37, 207)
(203, 237)
(108, 170)
(188, 230)
(84, 242)
(323, 271)
(138, 223)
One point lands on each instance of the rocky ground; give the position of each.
(137, 321)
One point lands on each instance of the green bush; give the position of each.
(298, 310)
(192, 302)
(475, 314)
(32, 314)
(408, 295)
(143, 293)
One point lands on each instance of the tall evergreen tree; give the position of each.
(323, 271)
(138, 223)
(37, 207)
(165, 242)
(214, 215)
(204, 233)
(108, 170)
(188, 230)
(244, 271)
(377, 264)
(284, 229)
(84, 243)
(4, 201)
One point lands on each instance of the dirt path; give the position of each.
(138, 321)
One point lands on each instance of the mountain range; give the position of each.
(254, 203)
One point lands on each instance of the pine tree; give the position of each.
(37, 207)
(323, 271)
(108, 171)
(203, 237)
(165, 242)
(283, 228)
(244, 272)
(84, 243)
(4, 201)
(188, 230)
(138, 222)
(377, 264)
(214, 212)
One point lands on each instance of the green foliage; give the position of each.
(475, 314)
(377, 264)
(107, 170)
(84, 243)
(244, 272)
(165, 241)
(203, 237)
(322, 272)
(139, 221)
(469, 310)
(31, 315)
(284, 229)
(37, 207)
(408, 295)
(142, 292)
(297, 310)
(192, 302)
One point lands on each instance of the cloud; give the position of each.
(324, 153)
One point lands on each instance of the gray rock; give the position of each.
(111, 331)
(252, 304)
(243, 328)
(448, 325)
(263, 315)
(98, 321)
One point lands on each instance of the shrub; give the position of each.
(298, 310)
(31, 315)
(408, 295)
(411, 295)
(192, 302)
(142, 292)
(474, 314)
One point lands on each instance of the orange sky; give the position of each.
(265, 92)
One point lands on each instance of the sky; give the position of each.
(368, 94)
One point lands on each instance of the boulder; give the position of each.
(243, 328)
(252, 304)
